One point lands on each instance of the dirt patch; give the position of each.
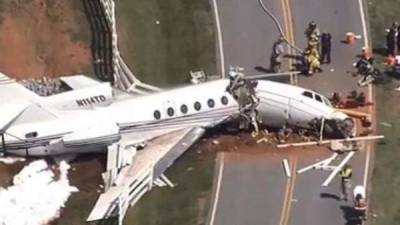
(43, 38)
(8, 172)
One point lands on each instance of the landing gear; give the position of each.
(243, 91)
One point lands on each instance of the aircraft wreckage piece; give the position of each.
(325, 165)
(243, 91)
(309, 143)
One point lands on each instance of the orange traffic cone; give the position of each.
(390, 60)
(350, 38)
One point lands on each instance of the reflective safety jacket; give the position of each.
(346, 173)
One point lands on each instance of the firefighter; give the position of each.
(326, 38)
(345, 174)
(313, 42)
(312, 60)
(391, 40)
(312, 29)
(365, 67)
(398, 40)
(277, 55)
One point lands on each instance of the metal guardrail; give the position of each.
(123, 76)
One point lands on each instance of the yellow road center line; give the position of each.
(290, 197)
(285, 197)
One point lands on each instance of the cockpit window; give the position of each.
(318, 98)
(327, 102)
(308, 94)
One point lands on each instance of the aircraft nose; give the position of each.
(344, 124)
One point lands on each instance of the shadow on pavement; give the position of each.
(262, 69)
(329, 195)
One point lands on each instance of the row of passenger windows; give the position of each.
(184, 108)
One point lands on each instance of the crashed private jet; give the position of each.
(92, 116)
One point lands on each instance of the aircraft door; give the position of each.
(169, 109)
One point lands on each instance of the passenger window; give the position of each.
(157, 115)
(210, 103)
(31, 135)
(184, 109)
(318, 98)
(308, 94)
(197, 106)
(224, 100)
(170, 111)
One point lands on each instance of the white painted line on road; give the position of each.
(366, 43)
(219, 35)
(363, 22)
(286, 167)
(338, 168)
(215, 204)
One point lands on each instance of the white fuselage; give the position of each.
(144, 117)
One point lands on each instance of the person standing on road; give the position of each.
(391, 40)
(277, 55)
(398, 40)
(312, 29)
(345, 174)
(326, 38)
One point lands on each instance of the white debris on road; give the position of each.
(37, 195)
(11, 160)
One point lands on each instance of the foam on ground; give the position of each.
(11, 160)
(37, 195)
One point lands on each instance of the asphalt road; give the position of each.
(247, 34)
(337, 17)
(246, 185)
(257, 192)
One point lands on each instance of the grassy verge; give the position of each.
(188, 202)
(385, 197)
(163, 40)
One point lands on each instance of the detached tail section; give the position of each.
(11, 91)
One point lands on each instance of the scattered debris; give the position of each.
(157, 22)
(215, 142)
(37, 193)
(332, 70)
(190, 169)
(386, 124)
(344, 146)
(286, 167)
(264, 139)
(302, 144)
(11, 160)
